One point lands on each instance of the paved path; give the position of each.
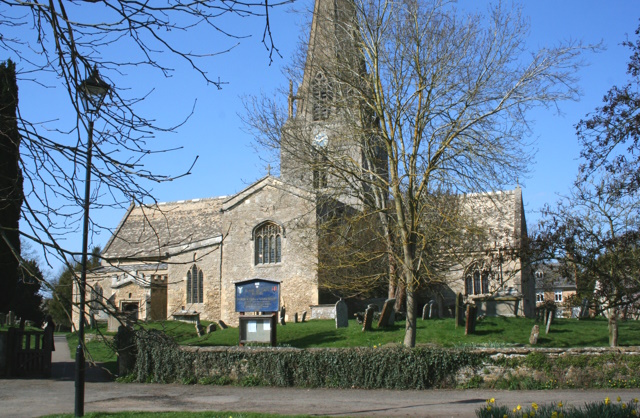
(32, 398)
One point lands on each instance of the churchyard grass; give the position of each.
(490, 332)
(607, 407)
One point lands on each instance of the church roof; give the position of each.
(154, 231)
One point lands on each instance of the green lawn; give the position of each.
(490, 332)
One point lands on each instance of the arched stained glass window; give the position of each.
(195, 285)
(268, 244)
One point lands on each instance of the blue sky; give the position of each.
(227, 161)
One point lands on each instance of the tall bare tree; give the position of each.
(442, 97)
(57, 44)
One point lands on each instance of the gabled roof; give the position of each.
(154, 231)
(548, 277)
(232, 201)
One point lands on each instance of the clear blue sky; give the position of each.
(227, 162)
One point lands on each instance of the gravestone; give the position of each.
(342, 319)
(425, 311)
(211, 328)
(11, 319)
(551, 312)
(283, 312)
(221, 324)
(304, 316)
(459, 310)
(199, 329)
(470, 327)
(433, 309)
(126, 346)
(584, 309)
(368, 318)
(386, 315)
(295, 318)
(535, 332)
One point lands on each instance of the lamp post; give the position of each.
(92, 92)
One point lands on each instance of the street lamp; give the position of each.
(92, 92)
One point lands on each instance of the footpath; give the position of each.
(38, 397)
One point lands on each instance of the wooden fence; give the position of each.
(26, 353)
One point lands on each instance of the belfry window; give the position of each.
(268, 244)
(476, 281)
(195, 281)
(322, 97)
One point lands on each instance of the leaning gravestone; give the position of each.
(584, 309)
(199, 329)
(425, 311)
(535, 332)
(551, 312)
(221, 324)
(470, 327)
(459, 310)
(304, 316)
(211, 328)
(342, 318)
(433, 309)
(368, 318)
(283, 312)
(295, 318)
(387, 312)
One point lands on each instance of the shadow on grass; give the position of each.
(314, 340)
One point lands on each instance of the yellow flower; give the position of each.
(518, 407)
(489, 408)
(554, 414)
(493, 400)
(607, 401)
(505, 416)
(534, 406)
(560, 404)
(636, 400)
(624, 406)
(618, 399)
(514, 410)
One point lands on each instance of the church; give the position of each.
(181, 260)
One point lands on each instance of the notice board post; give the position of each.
(258, 302)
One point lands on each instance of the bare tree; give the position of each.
(56, 45)
(593, 234)
(435, 101)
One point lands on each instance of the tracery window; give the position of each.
(268, 243)
(476, 281)
(320, 171)
(195, 280)
(322, 97)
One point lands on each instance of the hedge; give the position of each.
(159, 359)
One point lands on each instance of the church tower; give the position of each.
(322, 145)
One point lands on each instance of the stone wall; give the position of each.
(294, 211)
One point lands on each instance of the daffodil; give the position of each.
(554, 414)
(624, 406)
(607, 401)
(618, 399)
(519, 408)
(560, 404)
(489, 408)
(534, 406)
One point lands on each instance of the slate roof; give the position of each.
(551, 278)
(150, 232)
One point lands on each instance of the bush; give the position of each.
(159, 359)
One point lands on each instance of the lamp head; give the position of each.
(92, 91)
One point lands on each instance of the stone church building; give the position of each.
(180, 259)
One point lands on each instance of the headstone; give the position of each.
(584, 309)
(283, 313)
(459, 310)
(221, 324)
(549, 321)
(211, 328)
(425, 312)
(304, 316)
(433, 309)
(126, 346)
(295, 318)
(368, 319)
(470, 326)
(535, 332)
(385, 316)
(342, 319)
(199, 329)
(11, 319)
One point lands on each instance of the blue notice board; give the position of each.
(257, 295)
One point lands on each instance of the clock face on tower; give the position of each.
(321, 140)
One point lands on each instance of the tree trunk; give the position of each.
(410, 325)
(613, 327)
